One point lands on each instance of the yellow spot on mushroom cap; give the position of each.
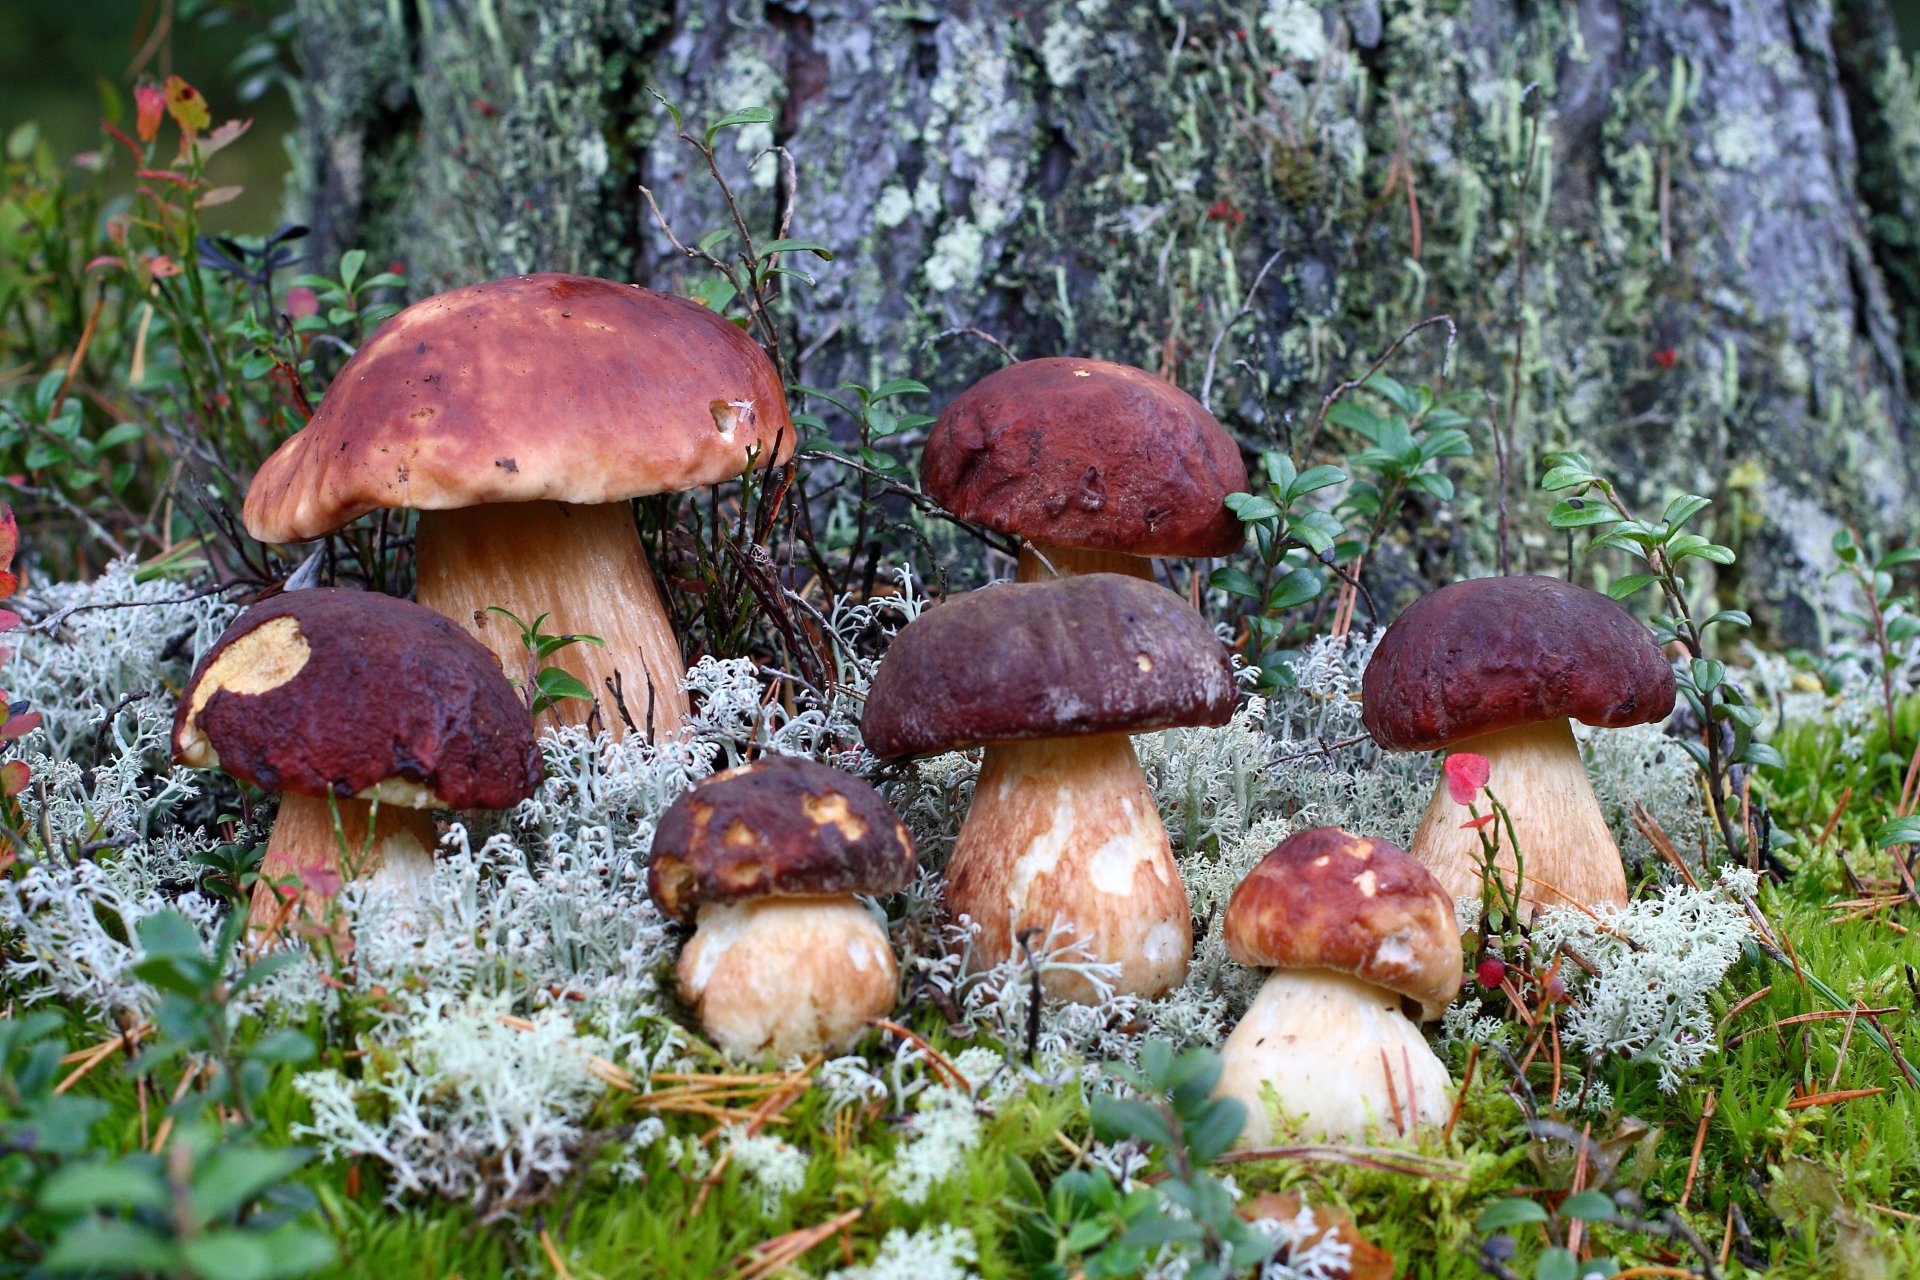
(833, 808)
(1367, 883)
(258, 662)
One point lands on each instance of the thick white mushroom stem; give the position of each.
(783, 976)
(1343, 1061)
(1064, 833)
(1538, 773)
(305, 853)
(583, 565)
(1072, 562)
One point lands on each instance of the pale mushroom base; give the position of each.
(1341, 1058)
(783, 976)
(1538, 773)
(1071, 562)
(584, 566)
(1064, 833)
(393, 846)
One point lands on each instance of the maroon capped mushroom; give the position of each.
(1052, 677)
(1501, 667)
(518, 417)
(767, 858)
(1097, 465)
(354, 703)
(1361, 940)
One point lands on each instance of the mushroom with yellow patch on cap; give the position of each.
(764, 860)
(1052, 677)
(517, 417)
(1361, 941)
(360, 705)
(1098, 466)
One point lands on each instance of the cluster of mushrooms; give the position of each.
(518, 417)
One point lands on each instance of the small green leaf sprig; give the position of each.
(545, 687)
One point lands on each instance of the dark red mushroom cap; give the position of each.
(358, 694)
(1327, 899)
(1101, 653)
(1085, 453)
(1495, 653)
(781, 827)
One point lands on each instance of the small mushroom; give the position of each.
(1501, 667)
(1361, 941)
(341, 699)
(1097, 465)
(765, 861)
(1052, 677)
(518, 417)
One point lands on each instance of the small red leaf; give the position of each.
(1466, 774)
(14, 776)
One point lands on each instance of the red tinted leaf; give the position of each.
(149, 100)
(20, 726)
(14, 776)
(1466, 774)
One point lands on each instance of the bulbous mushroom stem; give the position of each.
(1538, 773)
(1329, 1044)
(1065, 830)
(585, 566)
(1073, 562)
(783, 976)
(393, 846)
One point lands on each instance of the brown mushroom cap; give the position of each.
(781, 827)
(1085, 453)
(1326, 899)
(1496, 653)
(533, 387)
(358, 694)
(1103, 653)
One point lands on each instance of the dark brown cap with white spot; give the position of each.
(1087, 453)
(781, 827)
(1327, 899)
(1101, 653)
(358, 694)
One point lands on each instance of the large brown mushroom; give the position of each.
(1098, 465)
(1052, 677)
(518, 417)
(1501, 667)
(767, 858)
(358, 705)
(1361, 940)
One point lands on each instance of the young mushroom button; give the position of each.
(1500, 667)
(1097, 465)
(518, 417)
(1063, 838)
(338, 699)
(1360, 940)
(765, 861)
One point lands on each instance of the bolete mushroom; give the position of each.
(1361, 941)
(765, 860)
(1500, 667)
(518, 417)
(360, 705)
(1098, 465)
(1051, 678)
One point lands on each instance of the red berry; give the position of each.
(1490, 972)
(1557, 990)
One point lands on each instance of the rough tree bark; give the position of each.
(1718, 280)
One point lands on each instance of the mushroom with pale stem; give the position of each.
(1051, 678)
(765, 861)
(1361, 940)
(1500, 667)
(518, 417)
(341, 699)
(1097, 465)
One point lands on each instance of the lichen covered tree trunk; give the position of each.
(1715, 258)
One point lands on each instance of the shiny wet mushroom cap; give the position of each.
(517, 417)
(1102, 653)
(781, 827)
(1076, 454)
(1326, 899)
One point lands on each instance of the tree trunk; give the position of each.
(1716, 215)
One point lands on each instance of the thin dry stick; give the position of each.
(1387, 1161)
(1576, 1229)
(179, 1092)
(1826, 832)
(1745, 1003)
(1821, 1015)
(1846, 1038)
(781, 1252)
(553, 1256)
(1460, 1098)
(1843, 1095)
(1699, 1142)
(934, 1056)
